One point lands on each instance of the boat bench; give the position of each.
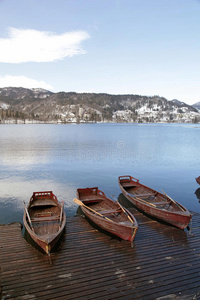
(111, 211)
(143, 195)
(128, 184)
(160, 203)
(42, 219)
(125, 223)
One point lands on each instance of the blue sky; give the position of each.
(102, 46)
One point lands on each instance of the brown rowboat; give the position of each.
(107, 214)
(153, 203)
(44, 219)
(198, 180)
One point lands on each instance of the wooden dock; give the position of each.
(163, 264)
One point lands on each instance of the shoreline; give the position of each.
(28, 122)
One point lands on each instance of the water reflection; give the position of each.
(197, 193)
(66, 157)
(23, 160)
(16, 189)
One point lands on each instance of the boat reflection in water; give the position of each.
(197, 193)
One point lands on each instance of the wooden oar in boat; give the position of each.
(82, 204)
(61, 213)
(122, 208)
(125, 212)
(141, 199)
(134, 230)
(29, 219)
(173, 200)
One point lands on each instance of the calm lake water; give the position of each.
(63, 158)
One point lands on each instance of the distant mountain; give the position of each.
(197, 106)
(40, 105)
(11, 94)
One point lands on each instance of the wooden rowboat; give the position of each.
(198, 180)
(106, 213)
(44, 219)
(153, 203)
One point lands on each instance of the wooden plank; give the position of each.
(93, 265)
(45, 219)
(143, 195)
(111, 211)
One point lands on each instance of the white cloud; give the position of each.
(23, 81)
(28, 45)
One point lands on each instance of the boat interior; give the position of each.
(159, 200)
(45, 218)
(107, 208)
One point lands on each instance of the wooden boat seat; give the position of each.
(143, 195)
(44, 219)
(125, 223)
(111, 211)
(160, 203)
(43, 202)
(128, 184)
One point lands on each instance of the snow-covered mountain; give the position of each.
(197, 106)
(45, 106)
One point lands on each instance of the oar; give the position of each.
(134, 227)
(82, 204)
(114, 197)
(61, 213)
(125, 212)
(29, 219)
(173, 200)
(141, 200)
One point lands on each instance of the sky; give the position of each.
(144, 47)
